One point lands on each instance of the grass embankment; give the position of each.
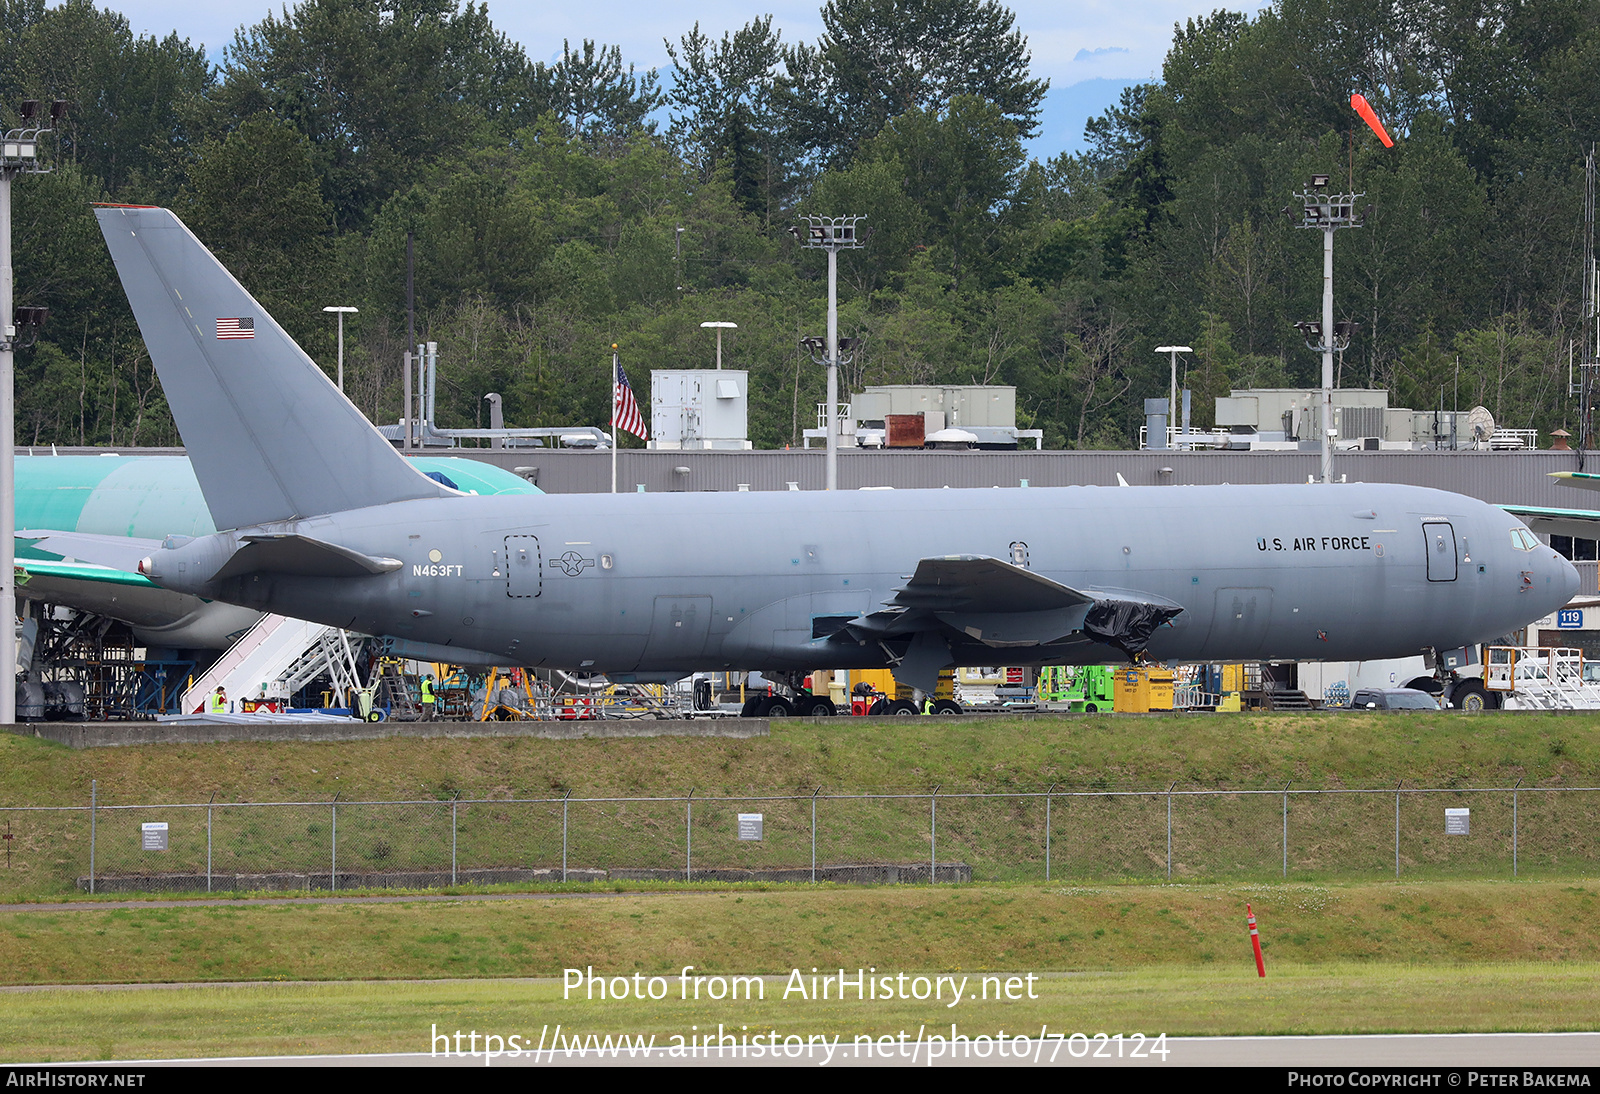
(946, 928)
(1091, 834)
(851, 754)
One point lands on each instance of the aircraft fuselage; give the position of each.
(665, 584)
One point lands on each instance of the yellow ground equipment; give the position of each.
(1143, 688)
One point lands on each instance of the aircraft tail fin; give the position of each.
(269, 435)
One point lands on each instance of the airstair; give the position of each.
(332, 656)
(275, 658)
(1540, 678)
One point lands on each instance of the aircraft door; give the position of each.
(1440, 539)
(524, 567)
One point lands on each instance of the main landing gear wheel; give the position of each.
(1471, 697)
(819, 706)
(776, 706)
(903, 708)
(947, 706)
(878, 708)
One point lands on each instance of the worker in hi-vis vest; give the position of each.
(427, 697)
(219, 701)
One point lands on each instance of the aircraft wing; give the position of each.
(34, 573)
(1581, 523)
(953, 583)
(158, 616)
(964, 599)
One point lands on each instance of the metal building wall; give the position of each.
(1497, 477)
(1519, 477)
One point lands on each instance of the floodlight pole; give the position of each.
(832, 458)
(342, 312)
(1329, 212)
(832, 234)
(8, 467)
(19, 155)
(1327, 355)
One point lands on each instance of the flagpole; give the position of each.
(614, 381)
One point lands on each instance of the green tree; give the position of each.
(379, 87)
(724, 114)
(873, 188)
(132, 99)
(593, 95)
(962, 166)
(253, 197)
(880, 59)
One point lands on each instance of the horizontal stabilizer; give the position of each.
(159, 617)
(301, 556)
(118, 552)
(271, 438)
(1583, 480)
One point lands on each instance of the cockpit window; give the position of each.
(1523, 540)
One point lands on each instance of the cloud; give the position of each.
(1091, 54)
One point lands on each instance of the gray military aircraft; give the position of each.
(323, 520)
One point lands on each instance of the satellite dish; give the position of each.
(1480, 426)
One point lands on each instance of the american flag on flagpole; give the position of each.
(624, 408)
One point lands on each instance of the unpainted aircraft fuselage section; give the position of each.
(670, 583)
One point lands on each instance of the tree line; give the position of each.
(559, 207)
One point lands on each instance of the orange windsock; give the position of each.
(1359, 104)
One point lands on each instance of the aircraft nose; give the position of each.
(1568, 578)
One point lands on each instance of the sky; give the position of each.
(1088, 49)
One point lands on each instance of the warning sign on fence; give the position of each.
(750, 826)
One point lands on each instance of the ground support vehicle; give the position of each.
(1081, 689)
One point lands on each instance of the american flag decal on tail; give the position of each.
(228, 329)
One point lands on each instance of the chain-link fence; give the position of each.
(1055, 833)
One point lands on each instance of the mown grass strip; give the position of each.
(937, 929)
(301, 1019)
